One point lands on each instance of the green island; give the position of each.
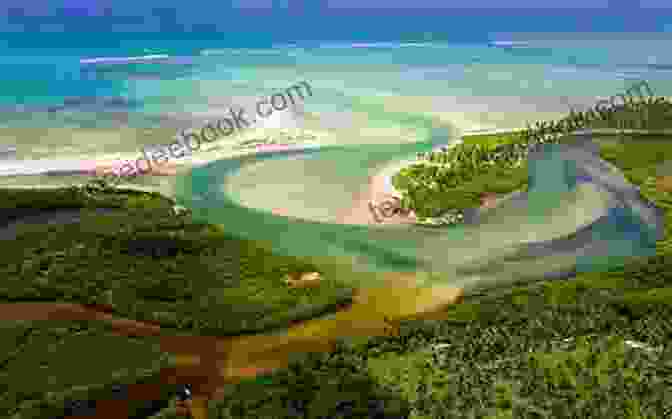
(553, 349)
(456, 178)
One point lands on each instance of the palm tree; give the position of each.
(541, 129)
(465, 160)
(529, 131)
(583, 118)
(523, 135)
(460, 155)
(478, 156)
(633, 106)
(483, 154)
(578, 119)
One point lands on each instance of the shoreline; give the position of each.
(379, 189)
(102, 167)
(379, 185)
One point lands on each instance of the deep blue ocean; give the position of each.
(378, 76)
(40, 62)
(85, 88)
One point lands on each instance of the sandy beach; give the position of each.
(100, 151)
(93, 89)
(378, 190)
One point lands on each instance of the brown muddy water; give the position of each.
(209, 363)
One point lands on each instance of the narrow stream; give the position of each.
(579, 215)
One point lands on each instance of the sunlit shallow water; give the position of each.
(310, 186)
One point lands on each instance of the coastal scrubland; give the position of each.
(596, 345)
(456, 178)
(137, 261)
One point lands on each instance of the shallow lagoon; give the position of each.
(316, 184)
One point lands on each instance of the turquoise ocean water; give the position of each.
(377, 101)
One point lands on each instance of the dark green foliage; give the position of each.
(16, 203)
(509, 357)
(432, 189)
(147, 263)
(653, 113)
(316, 386)
(512, 357)
(505, 357)
(51, 362)
(455, 190)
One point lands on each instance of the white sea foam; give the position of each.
(45, 166)
(345, 45)
(240, 51)
(121, 60)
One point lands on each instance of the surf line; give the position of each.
(189, 141)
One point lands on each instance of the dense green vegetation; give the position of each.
(555, 349)
(17, 203)
(506, 353)
(654, 113)
(455, 179)
(431, 190)
(147, 264)
(151, 265)
(46, 364)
